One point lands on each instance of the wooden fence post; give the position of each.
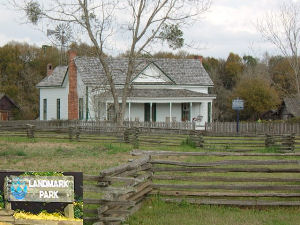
(126, 135)
(136, 137)
(269, 141)
(288, 142)
(78, 131)
(197, 138)
(200, 140)
(71, 131)
(30, 130)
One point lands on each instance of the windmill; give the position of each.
(61, 36)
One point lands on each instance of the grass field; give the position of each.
(157, 212)
(20, 153)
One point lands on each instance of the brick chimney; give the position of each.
(49, 69)
(73, 96)
(199, 57)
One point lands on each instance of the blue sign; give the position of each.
(237, 104)
(18, 189)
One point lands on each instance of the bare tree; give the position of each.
(282, 29)
(138, 23)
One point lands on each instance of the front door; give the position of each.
(147, 112)
(3, 115)
(185, 112)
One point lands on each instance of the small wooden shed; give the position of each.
(8, 108)
(290, 107)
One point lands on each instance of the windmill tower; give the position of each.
(61, 36)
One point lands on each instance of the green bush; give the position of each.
(272, 149)
(48, 173)
(1, 201)
(78, 210)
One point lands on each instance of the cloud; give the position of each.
(229, 26)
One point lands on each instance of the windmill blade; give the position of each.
(50, 32)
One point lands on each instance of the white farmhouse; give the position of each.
(162, 90)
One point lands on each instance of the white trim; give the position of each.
(191, 111)
(150, 111)
(129, 111)
(157, 76)
(106, 110)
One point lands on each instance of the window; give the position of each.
(80, 105)
(58, 108)
(209, 112)
(45, 109)
(185, 112)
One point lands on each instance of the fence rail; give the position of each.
(141, 137)
(253, 128)
(215, 128)
(122, 190)
(102, 126)
(244, 179)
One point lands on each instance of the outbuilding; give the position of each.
(8, 108)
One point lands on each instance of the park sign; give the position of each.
(39, 188)
(237, 104)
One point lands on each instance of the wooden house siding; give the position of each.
(6, 108)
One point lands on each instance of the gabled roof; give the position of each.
(55, 79)
(293, 105)
(181, 71)
(152, 74)
(12, 101)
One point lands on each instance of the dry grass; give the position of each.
(47, 155)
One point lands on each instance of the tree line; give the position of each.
(262, 83)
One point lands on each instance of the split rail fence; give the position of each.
(252, 128)
(205, 178)
(119, 192)
(142, 137)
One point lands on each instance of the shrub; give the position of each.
(1, 201)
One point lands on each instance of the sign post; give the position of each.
(238, 105)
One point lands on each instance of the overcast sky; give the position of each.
(229, 26)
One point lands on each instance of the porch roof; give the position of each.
(160, 93)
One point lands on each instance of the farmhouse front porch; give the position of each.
(146, 105)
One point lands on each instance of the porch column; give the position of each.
(191, 111)
(129, 111)
(105, 110)
(150, 111)
(170, 112)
